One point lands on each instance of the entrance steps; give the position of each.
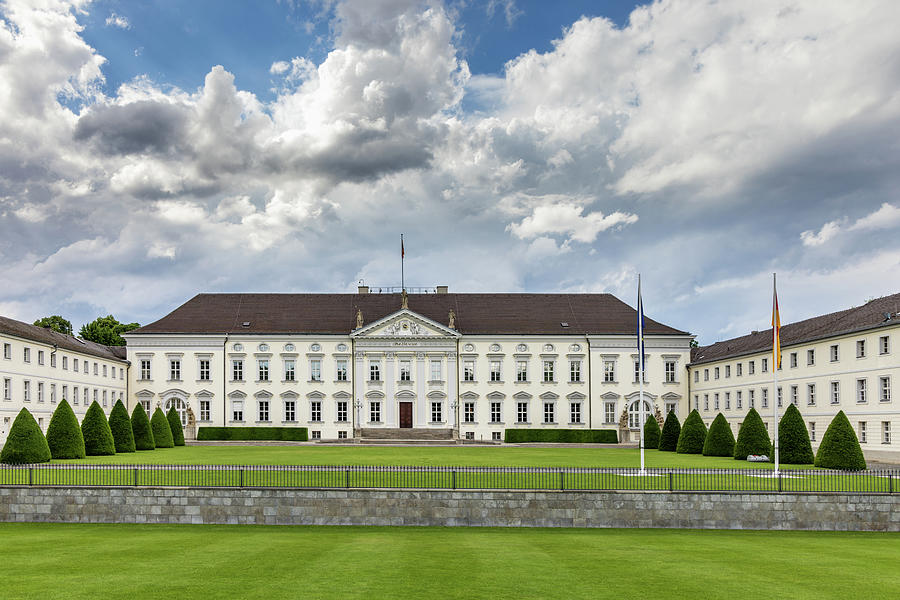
(372, 434)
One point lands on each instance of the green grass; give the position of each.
(172, 561)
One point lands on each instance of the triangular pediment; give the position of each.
(405, 324)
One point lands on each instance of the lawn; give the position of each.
(172, 561)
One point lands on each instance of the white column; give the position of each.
(390, 384)
(359, 394)
(421, 409)
(452, 389)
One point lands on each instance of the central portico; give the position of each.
(405, 374)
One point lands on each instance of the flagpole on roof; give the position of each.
(402, 256)
(640, 348)
(776, 362)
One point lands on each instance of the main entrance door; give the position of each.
(406, 415)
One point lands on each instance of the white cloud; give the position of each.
(828, 231)
(567, 219)
(116, 20)
(886, 217)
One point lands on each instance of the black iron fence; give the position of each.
(453, 478)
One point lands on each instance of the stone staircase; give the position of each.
(394, 435)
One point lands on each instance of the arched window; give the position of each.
(634, 414)
(180, 407)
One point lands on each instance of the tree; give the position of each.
(120, 425)
(753, 438)
(106, 330)
(794, 447)
(162, 433)
(56, 323)
(64, 436)
(840, 448)
(175, 425)
(719, 440)
(140, 425)
(25, 443)
(668, 439)
(98, 439)
(693, 435)
(651, 433)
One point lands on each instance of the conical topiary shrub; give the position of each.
(719, 440)
(120, 425)
(651, 433)
(693, 435)
(175, 426)
(839, 448)
(668, 439)
(98, 439)
(793, 439)
(64, 436)
(753, 438)
(140, 425)
(162, 433)
(25, 443)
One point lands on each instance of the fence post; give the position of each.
(890, 482)
(562, 479)
(241, 477)
(779, 481)
(348, 477)
(453, 479)
(30, 475)
(671, 485)
(135, 477)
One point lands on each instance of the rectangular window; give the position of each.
(104, 398)
(835, 392)
(65, 392)
(342, 414)
(145, 369)
(609, 412)
(7, 351)
(75, 364)
(696, 376)
(860, 390)
(795, 393)
(751, 398)
(727, 400)
(52, 393)
(262, 365)
(65, 363)
(812, 431)
(522, 370)
(834, 353)
(121, 373)
(96, 369)
(764, 364)
(696, 401)
(751, 367)
(884, 392)
(779, 396)
(739, 400)
(810, 358)
(95, 395)
(716, 371)
(885, 432)
(764, 395)
(810, 394)
(521, 412)
(496, 412)
(575, 371)
(174, 369)
(549, 412)
(716, 402)
(315, 411)
(375, 411)
(437, 412)
(727, 370)
(204, 369)
(85, 366)
(342, 435)
(40, 357)
(237, 370)
(290, 411)
(705, 401)
(375, 374)
(315, 435)
(84, 397)
(495, 370)
(469, 412)
(342, 369)
(315, 369)
(705, 374)
(637, 370)
(40, 391)
(263, 410)
(290, 369)
(204, 410)
(575, 412)
(26, 354)
(75, 396)
(405, 371)
(609, 371)
(26, 391)
(860, 348)
(793, 360)
(548, 370)
(469, 370)
(740, 369)
(862, 432)
(884, 344)
(436, 370)
(104, 370)
(237, 410)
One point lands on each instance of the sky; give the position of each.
(150, 151)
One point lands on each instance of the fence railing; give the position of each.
(453, 478)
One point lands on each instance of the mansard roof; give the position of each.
(50, 337)
(870, 315)
(517, 314)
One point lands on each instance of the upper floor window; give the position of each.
(521, 370)
(75, 364)
(609, 371)
(810, 357)
(705, 374)
(637, 370)
(315, 369)
(575, 371)
(834, 353)
(375, 373)
(740, 369)
(341, 367)
(670, 371)
(751, 367)
(7, 351)
(104, 370)
(97, 369)
(469, 370)
(716, 371)
(860, 348)
(263, 369)
(204, 369)
(40, 357)
(885, 392)
(495, 370)
(174, 369)
(237, 371)
(290, 369)
(835, 392)
(793, 360)
(405, 368)
(884, 344)
(764, 364)
(811, 394)
(861, 390)
(26, 354)
(435, 370)
(727, 370)
(696, 376)
(548, 370)
(145, 369)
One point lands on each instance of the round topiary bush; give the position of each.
(25, 443)
(651, 433)
(668, 439)
(693, 435)
(175, 425)
(140, 425)
(120, 425)
(840, 448)
(162, 433)
(793, 439)
(63, 433)
(753, 438)
(719, 440)
(98, 439)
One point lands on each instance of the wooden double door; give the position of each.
(406, 415)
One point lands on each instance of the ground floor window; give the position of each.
(522, 412)
(437, 412)
(469, 412)
(204, 410)
(342, 411)
(634, 413)
(315, 435)
(263, 410)
(290, 410)
(609, 412)
(549, 412)
(315, 411)
(670, 406)
(178, 404)
(496, 412)
(470, 435)
(375, 412)
(862, 432)
(237, 410)
(885, 432)
(342, 435)
(575, 412)
(495, 435)
(812, 431)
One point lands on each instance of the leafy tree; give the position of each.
(719, 440)
(56, 323)
(794, 447)
(64, 436)
(106, 330)
(693, 435)
(140, 425)
(753, 438)
(651, 432)
(120, 425)
(162, 433)
(175, 425)
(839, 448)
(668, 439)
(25, 443)
(98, 439)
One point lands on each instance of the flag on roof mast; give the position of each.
(640, 349)
(776, 328)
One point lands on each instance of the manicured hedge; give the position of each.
(794, 447)
(651, 433)
(162, 433)
(25, 443)
(753, 438)
(175, 426)
(120, 425)
(561, 436)
(98, 439)
(63, 433)
(140, 425)
(287, 434)
(839, 448)
(693, 435)
(719, 440)
(668, 439)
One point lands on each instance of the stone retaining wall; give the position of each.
(451, 508)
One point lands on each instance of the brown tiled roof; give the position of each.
(336, 313)
(870, 315)
(66, 342)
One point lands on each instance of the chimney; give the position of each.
(363, 289)
(442, 289)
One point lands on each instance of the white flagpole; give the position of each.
(640, 345)
(776, 341)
